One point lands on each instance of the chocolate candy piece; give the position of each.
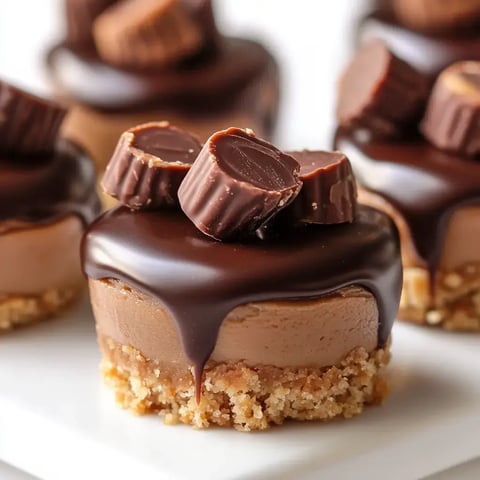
(146, 33)
(380, 92)
(80, 15)
(237, 183)
(329, 192)
(202, 13)
(149, 164)
(452, 119)
(436, 15)
(28, 124)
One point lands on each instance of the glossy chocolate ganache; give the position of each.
(425, 184)
(200, 280)
(41, 189)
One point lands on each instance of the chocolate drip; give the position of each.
(200, 280)
(45, 189)
(424, 184)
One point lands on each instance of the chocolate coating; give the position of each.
(237, 183)
(42, 190)
(452, 118)
(209, 84)
(28, 124)
(428, 53)
(424, 184)
(200, 281)
(329, 193)
(380, 92)
(149, 164)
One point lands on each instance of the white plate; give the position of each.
(56, 416)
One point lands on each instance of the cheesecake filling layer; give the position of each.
(200, 281)
(37, 258)
(297, 333)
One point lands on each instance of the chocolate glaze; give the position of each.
(42, 190)
(210, 83)
(428, 52)
(200, 280)
(424, 184)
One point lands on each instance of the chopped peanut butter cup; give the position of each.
(380, 92)
(147, 33)
(149, 164)
(237, 183)
(452, 118)
(28, 124)
(329, 193)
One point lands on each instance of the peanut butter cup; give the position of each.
(131, 62)
(47, 198)
(431, 187)
(243, 332)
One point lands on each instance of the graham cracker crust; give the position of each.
(455, 305)
(241, 396)
(16, 311)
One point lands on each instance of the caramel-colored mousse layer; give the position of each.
(46, 204)
(313, 333)
(211, 94)
(441, 284)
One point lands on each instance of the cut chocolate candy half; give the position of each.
(149, 164)
(452, 118)
(28, 124)
(329, 193)
(380, 93)
(238, 183)
(147, 33)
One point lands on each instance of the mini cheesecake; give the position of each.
(424, 172)
(47, 198)
(110, 69)
(221, 311)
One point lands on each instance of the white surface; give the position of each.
(53, 406)
(57, 421)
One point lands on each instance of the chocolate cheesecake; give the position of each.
(128, 62)
(225, 309)
(47, 198)
(424, 172)
(428, 34)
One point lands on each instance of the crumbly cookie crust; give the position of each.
(454, 305)
(241, 396)
(16, 311)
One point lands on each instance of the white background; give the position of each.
(311, 39)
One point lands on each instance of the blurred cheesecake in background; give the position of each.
(47, 199)
(128, 62)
